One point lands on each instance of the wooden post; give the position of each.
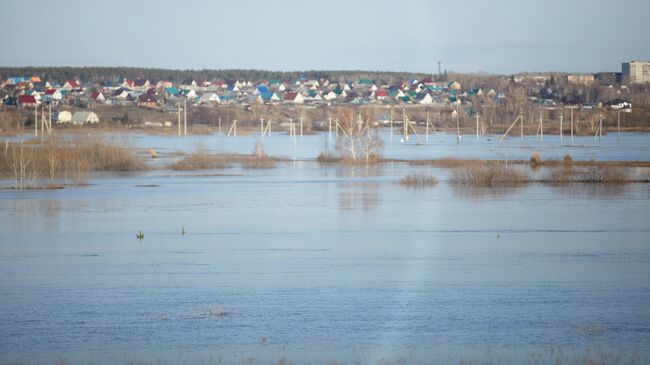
(179, 118)
(391, 124)
(541, 125)
(521, 126)
(571, 108)
(185, 118)
(50, 121)
(427, 129)
(510, 128)
(329, 135)
(35, 120)
(457, 126)
(42, 123)
(561, 131)
(477, 126)
(261, 127)
(618, 127)
(301, 125)
(220, 125)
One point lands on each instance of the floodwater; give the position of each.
(322, 263)
(611, 147)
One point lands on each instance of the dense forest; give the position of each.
(112, 74)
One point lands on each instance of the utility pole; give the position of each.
(35, 120)
(457, 126)
(618, 127)
(329, 118)
(185, 118)
(561, 130)
(179, 118)
(477, 126)
(571, 108)
(220, 125)
(50, 121)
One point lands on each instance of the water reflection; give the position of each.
(470, 192)
(358, 195)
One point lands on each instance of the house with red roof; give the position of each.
(27, 101)
(293, 98)
(381, 94)
(97, 97)
(71, 85)
(52, 96)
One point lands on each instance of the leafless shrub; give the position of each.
(419, 180)
(489, 176)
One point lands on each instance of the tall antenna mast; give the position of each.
(439, 70)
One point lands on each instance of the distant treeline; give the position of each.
(113, 74)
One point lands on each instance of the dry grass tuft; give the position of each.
(492, 176)
(328, 157)
(450, 162)
(200, 159)
(419, 180)
(590, 175)
(536, 160)
(567, 161)
(259, 159)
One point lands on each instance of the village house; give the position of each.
(52, 96)
(71, 85)
(63, 117)
(147, 101)
(210, 98)
(27, 101)
(81, 118)
(97, 97)
(294, 98)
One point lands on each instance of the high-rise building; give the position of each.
(636, 72)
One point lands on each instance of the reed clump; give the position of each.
(259, 160)
(30, 163)
(326, 157)
(419, 180)
(450, 162)
(201, 159)
(489, 176)
(590, 175)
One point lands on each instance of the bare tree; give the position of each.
(359, 140)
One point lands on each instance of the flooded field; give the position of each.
(317, 263)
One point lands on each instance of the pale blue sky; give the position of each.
(498, 36)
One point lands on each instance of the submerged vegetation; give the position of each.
(449, 162)
(202, 159)
(489, 176)
(55, 162)
(419, 180)
(590, 175)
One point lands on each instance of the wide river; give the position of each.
(327, 263)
